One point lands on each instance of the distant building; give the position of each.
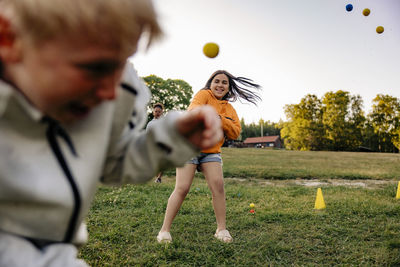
(273, 141)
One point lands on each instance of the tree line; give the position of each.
(337, 122)
(263, 128)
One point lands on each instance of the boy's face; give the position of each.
(65, 78)
(157, 112)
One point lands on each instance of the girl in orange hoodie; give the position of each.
(220, 88)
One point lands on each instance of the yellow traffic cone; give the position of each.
(319, 201)
(398, 191)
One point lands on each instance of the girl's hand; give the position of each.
(201, 126)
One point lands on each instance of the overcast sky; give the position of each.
(290, 47)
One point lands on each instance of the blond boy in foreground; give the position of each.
(71, 107)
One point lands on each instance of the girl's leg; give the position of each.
(214, 176)
(184, 179)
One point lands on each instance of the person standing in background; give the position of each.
(158, 110)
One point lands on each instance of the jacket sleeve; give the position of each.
(231, 124)
(136, 155)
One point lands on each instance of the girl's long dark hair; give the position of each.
(239, 88)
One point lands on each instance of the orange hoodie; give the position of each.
(230, 120)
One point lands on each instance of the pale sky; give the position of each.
(290, 47)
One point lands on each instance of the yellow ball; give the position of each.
(366, 11)
(211, 50)
(252, 205)
(379, 29)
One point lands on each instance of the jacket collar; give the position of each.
(9, 94)
(213, 96)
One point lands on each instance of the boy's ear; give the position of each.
(10, 50)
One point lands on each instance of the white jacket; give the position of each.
(46, 190)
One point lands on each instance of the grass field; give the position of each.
(283, 164)
(359, 227)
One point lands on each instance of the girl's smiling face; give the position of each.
(220, 86)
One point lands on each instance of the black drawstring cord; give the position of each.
(52, 132)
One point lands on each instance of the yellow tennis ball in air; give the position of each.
(211, 50)
(379, 29)
(366, 11)
(252, 205)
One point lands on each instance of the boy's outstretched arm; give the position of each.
(201, 126)
(136, 155)
(168, 142)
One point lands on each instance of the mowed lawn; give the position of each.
(359, 227)
(283, 164)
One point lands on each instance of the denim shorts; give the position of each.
(206, 157)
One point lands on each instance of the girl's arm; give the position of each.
(231, 124)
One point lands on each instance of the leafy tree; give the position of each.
(334, 123)
(304, 129)
(357, 122)
(335, 111)
(173, 94)
(385, 120)
(370, 138)
(343, 120)
(269, 128)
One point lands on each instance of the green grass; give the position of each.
(283, 164)
(359, 227)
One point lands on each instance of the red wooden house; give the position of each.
(273, 141)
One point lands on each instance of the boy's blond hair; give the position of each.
(120, 22)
